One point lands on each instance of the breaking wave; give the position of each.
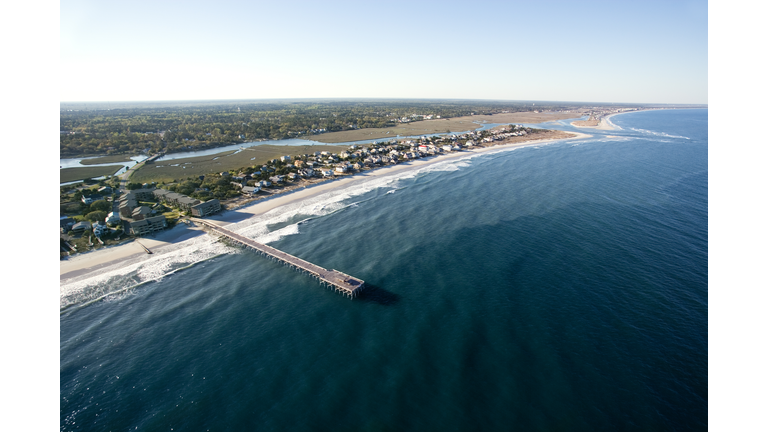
(137, 271)
(658, 134)
(121, 279)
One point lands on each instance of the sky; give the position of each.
(620, 51)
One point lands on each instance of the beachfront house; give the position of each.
(100, 228)
(207, 208)
(145, 226)
(307, 172)
(79, 227)
(250, 190)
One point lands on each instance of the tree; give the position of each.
(132, 186)
(96, 216)
(100, 205)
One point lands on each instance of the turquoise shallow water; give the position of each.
(560, 287)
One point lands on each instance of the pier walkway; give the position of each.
(338, 281)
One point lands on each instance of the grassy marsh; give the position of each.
(169, 170)
(458, 124)
(106, 159)
(82, 173)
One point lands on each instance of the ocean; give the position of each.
(549, 287)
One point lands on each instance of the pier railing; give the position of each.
(333, 279)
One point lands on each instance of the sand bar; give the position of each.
(605, 124)
(84, 263)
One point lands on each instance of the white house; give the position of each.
(99, 229)
(307, 172)
(113, 218)
(88, 199)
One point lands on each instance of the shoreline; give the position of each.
(83, 263)
(606, 124)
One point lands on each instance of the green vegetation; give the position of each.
(81, 173)
(70, 203)
(96, 216)
(163, 171)
(100, 205)
(106, 159)
(213, 186)
(87, 241)
(134, 128)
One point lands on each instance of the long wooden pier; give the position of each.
(334, 279)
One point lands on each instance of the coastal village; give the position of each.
(139, 210)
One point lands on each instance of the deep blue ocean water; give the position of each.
(552, 287)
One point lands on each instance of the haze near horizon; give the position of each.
(652, 52)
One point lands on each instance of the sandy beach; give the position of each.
(605, 124)
(84, 263)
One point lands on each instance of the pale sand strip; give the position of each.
(605, 124)
(83, 263)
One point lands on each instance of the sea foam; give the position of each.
(118, 280)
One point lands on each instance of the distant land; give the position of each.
(107, 105)
(132, 128)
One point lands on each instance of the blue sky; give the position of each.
(642, 52)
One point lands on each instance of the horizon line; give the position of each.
(372, 99)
